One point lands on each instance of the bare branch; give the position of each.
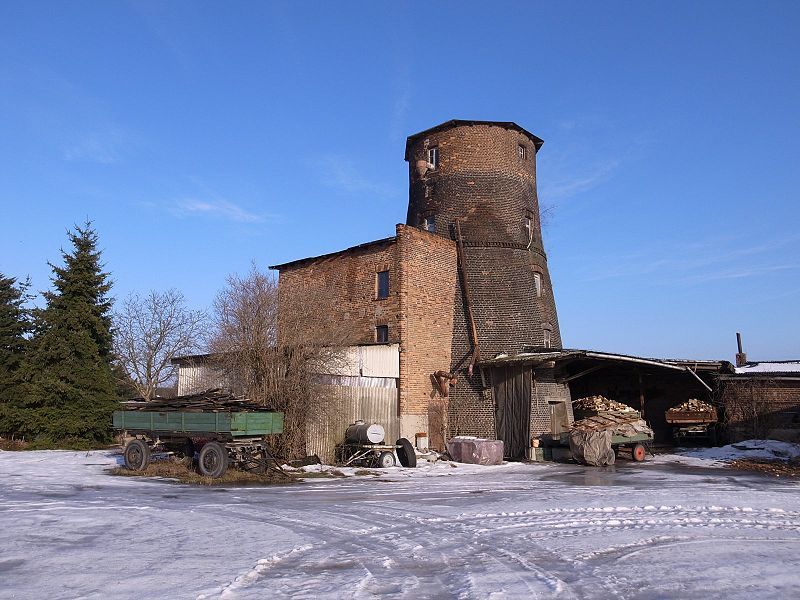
(150, 331)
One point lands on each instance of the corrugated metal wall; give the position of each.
(198, 378)
(349, 404)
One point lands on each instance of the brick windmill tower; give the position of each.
(475, 182)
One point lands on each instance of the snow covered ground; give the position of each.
(652, 530)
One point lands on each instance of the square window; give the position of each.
(429, 223)
(382, 334)
(537, 284)
(382, 285)
(522, 151)
(433, 157)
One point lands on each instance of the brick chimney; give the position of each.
(741, 357)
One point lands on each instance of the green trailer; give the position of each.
(221, 438)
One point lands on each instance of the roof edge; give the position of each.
(294, 263)
(537, 141)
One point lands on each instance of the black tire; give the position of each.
(406, 454)
(386, 460)
(638, 453)
(137, 455)
(213, 460)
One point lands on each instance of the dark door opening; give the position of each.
(512, 394)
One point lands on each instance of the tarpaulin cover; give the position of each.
(475, 451)
(592, 447)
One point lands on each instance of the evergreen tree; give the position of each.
(70, 387)
(14, 327)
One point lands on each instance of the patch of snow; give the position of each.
(441, 530)
(749, 449)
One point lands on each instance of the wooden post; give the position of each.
(641, 393)
(465, 285)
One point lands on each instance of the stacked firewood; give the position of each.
(213, 400)
(600, 404)
(693, 405)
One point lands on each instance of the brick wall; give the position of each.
(343, 288)
(760, 408)
(427, 287)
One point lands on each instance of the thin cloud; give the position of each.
(217, 209)
(342, 174)
(103, 147)
(567, 188)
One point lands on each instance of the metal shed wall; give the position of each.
(343, 406)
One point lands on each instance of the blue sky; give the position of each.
(202, 136)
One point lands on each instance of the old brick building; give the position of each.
(466, 277)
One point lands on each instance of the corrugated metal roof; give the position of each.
(538, 356)
(777, 366)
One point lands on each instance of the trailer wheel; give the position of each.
(386, 460)
(638, 453)
(213, 460)
(137, 455)
(406, 454)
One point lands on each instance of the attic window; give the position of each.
(382, 285)
(433, 157)
(537, 284)
(522, 151)
(382, 334)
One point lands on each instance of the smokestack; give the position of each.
(741, 357)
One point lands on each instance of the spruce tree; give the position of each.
(14, 327)
(71, 390)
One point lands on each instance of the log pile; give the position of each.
(213, 400)
(597, 404)
(693, 405)
(620, 423)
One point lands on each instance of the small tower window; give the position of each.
(522, 151)
(429, 223)
(382, 285)
(433, 157)
(547, 338)
(537, 284)
(382, 334)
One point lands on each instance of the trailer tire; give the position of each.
(406, 454)
(386, 460)
(213, 460)
(638, 453)
(137, 455)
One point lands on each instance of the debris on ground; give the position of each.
(778, 468)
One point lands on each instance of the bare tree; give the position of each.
(276, 357)
(150, 331)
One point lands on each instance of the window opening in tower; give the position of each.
(433, 157)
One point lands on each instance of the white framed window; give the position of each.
(522, 151)
(433, 157)
(537, 284)
(547, 340)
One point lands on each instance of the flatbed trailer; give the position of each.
(221, 438)
(693, 425)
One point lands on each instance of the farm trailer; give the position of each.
(222, 438)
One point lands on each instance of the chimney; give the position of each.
(741, 357)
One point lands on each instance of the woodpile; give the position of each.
(213, 400)
(600, 404)
(620, 423)
(693, 405)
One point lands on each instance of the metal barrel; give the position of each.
(362, 433)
